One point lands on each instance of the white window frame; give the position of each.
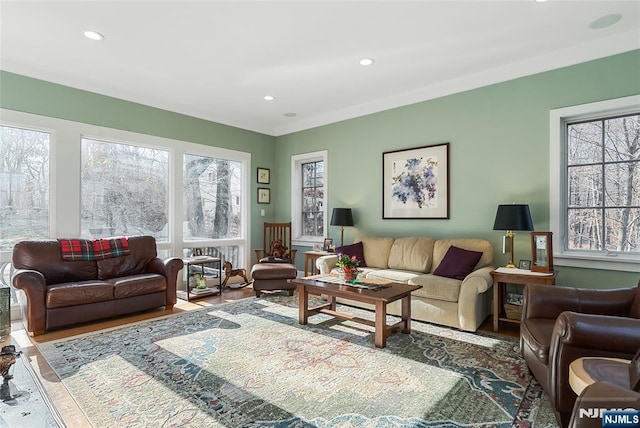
(558, 120)
(296, 197)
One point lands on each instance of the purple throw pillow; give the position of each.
(458, 263)
(353, 250)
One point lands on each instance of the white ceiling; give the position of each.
(217, 59)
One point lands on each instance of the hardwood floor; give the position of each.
(66, 406)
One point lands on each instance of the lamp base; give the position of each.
(511, 266)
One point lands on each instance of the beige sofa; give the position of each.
(463, 304)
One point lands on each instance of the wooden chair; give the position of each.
(277, 243)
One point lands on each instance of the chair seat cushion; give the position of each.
(537, 332)
(273, 271)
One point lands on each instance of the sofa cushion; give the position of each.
(401, 276)
(441, 246)
(458, 263)
(78, 293)
(354, 250)
(437, 287)
(413, 254)
(143, 249)
(137, 285)
(376, 251)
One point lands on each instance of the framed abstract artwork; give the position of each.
(415, 183)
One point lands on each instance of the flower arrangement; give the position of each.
(346, 261)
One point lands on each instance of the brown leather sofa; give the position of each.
(561, 324)
(601, 395)
(57, 293)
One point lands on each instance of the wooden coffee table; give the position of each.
(380, 297)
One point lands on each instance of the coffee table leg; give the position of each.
(381, 325)
(303, 305)
(406, 314)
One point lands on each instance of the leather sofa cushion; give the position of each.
(137, 285)
(78, 293)
(441, 247)
(413, 254)
(537, 332)
(46, 258)
(376, 251)
(143, 249)
(437, 287)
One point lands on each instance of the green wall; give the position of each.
(48, 99)
(499, 153)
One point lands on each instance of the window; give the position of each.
(596, 210)
(125, 190)
(213, 212)
(24, 192)
(308, 198)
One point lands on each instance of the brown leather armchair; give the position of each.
(601, 395)
(561, 324)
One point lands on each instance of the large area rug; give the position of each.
(250, 364)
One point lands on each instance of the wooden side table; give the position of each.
(588, 370)
(310, 258)
(501, 279)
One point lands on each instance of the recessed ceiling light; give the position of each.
(93, 35)
(540, 1)
(269, 98)
(605, 21)
(367, 61)
(290, 114)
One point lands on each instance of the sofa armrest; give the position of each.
(168, 268)
(543, 301)
(326, 263)
(601, 395)
(471, 305)
(588, 331)
(34, 286)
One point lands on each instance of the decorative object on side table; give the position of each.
(328, 244)
(342, 217)
(349, 266)
(415, 183)
(541, 252)
(525, 265)
(512, 217)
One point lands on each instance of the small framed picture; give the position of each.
(317, 247)
(525, 264)
(264, 175)
(328, 244)
(264, 195)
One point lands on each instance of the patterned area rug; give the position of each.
(250, 364)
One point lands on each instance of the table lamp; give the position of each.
(341, 217)
(512, 217)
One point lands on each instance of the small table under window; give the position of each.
(189, 291)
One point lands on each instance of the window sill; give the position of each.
(618, 263)
(307, 241)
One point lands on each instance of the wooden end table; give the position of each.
(379, 297)
(501, 278)
(310, 258)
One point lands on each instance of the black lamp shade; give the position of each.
(341, 217)
(513, 217)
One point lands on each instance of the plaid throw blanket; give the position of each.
(96, 249)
